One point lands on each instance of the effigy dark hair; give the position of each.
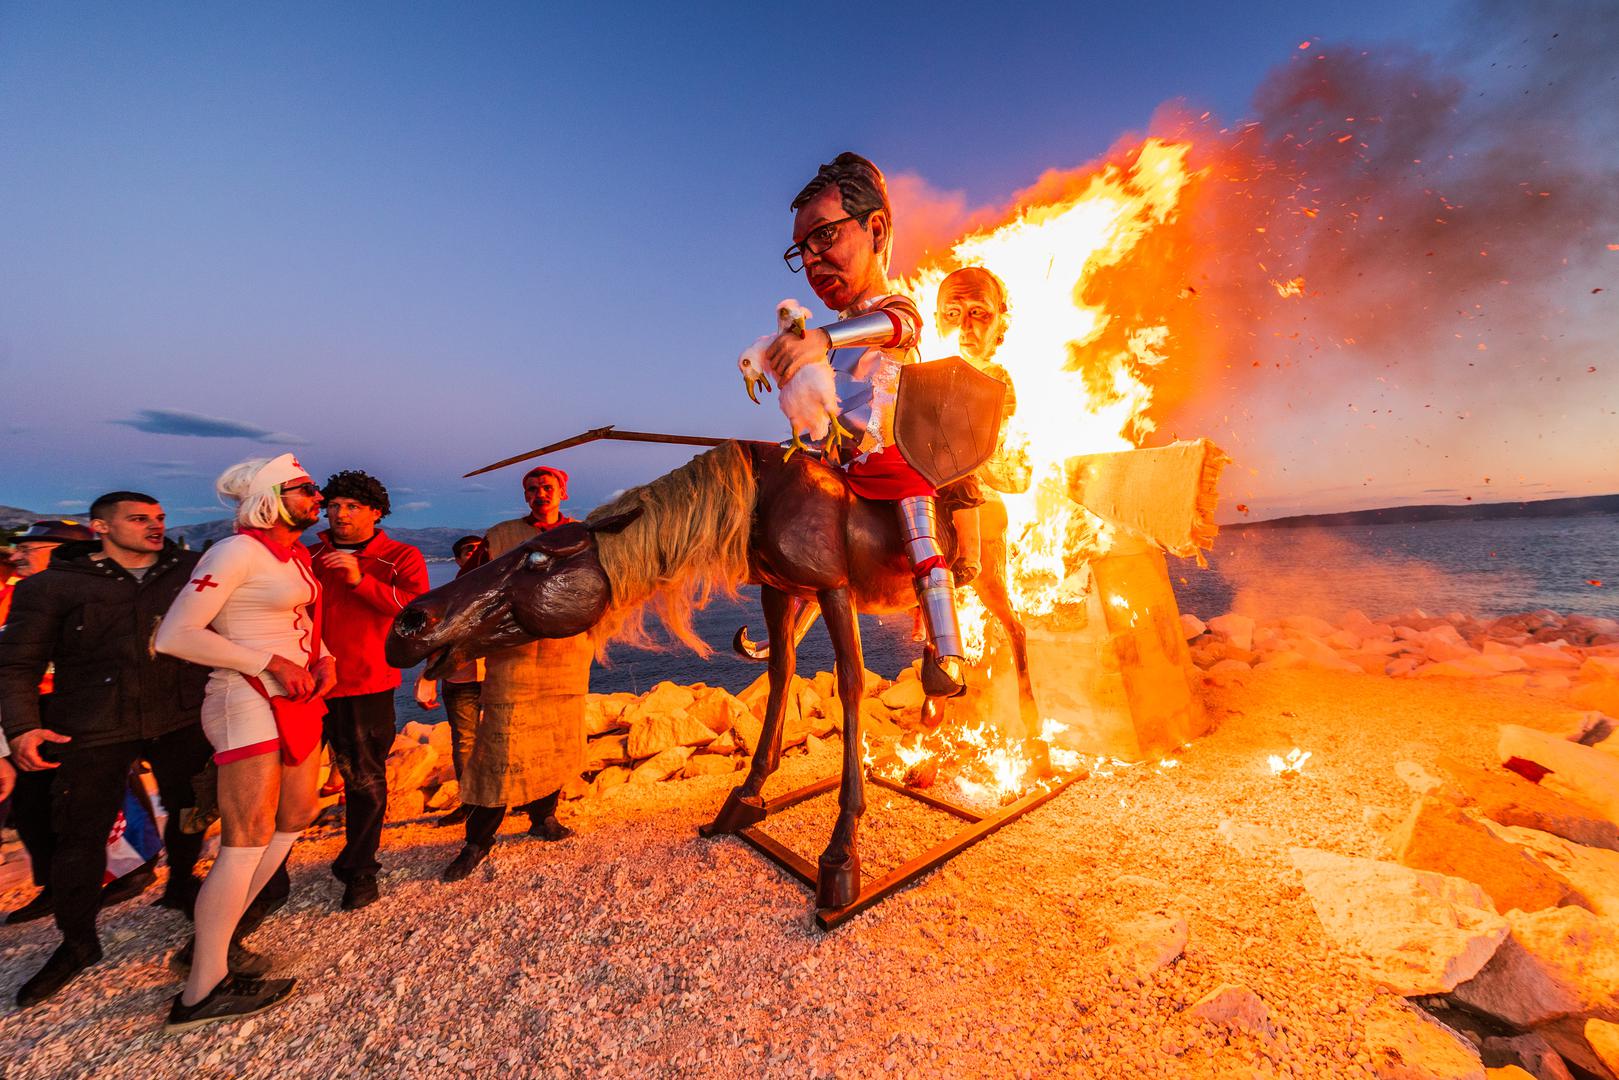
(860, 185)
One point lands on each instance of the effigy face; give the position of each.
(972, 308)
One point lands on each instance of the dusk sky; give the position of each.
(417, 239)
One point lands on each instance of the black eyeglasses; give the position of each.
(305, 488)
(820, 238)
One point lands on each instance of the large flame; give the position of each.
(1074, 395)
(1083, 386)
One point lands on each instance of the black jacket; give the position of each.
(95, 622)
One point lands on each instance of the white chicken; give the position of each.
(809, 399)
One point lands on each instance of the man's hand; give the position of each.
(298, 682)
(345, 563)
(25, 749)
(427, 692)
(790, 351)
(325, 671)
(8, 778)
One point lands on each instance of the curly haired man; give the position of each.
(366, 578)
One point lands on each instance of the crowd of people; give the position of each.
(224, 674)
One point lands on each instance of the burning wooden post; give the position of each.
(1115, 668)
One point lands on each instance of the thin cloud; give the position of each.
(171, 470)
(475, 486)
(70, 504)
(179, 422)
(420, 504)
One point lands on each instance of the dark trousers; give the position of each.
(31, 814)
(87, 790)
(461, 704)
(360, 730)
(484, 821)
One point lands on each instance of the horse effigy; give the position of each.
(887, 496)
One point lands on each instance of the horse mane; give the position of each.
(690, 542)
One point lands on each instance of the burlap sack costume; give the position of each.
(530, 740)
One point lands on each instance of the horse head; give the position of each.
(553, 586)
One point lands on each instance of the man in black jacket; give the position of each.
(93, 613)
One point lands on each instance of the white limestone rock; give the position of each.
(1584, 772)
(1237, 629)
(1556, 963)
(1414, 931)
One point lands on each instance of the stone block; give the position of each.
(1441, 837)
(1415, 931)
(1556, 963)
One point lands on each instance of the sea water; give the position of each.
(1481, 568)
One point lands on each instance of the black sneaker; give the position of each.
(471, 855)
(235, 998)
(454, 817)
(361, 890)
(129, 886)
(63, 967)
(37, 908)
(240, 960)
(548, 828)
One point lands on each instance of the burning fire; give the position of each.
(1082, 377)
(1074, 396)
(1291, 765)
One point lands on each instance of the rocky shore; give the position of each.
(1428, 888)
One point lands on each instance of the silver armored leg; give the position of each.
(935, 587)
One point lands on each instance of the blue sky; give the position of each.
(416, 239)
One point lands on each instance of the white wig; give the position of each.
(256, 507)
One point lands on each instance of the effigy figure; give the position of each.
(842, 235)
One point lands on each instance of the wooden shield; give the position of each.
(947, 418)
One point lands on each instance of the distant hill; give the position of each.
(1405, 515)
(434, 542)
(13, 518)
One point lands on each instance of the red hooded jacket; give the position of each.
(354, 619)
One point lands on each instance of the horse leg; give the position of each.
(838, 883)
(745, 805)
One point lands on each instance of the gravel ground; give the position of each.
(636, 949)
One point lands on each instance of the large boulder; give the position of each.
(717, 710)
(1308, 624)
(904, 694)
(409, 768)
(606, 750)
(404, 805)
(1439, 836)
(447, 796)
(1530, 1053)
(1582, 771)
(1592, 871)
(661, 766)
(1237, 629)
(1556, 963)
(1408, 1046)
(652, 733)
(1603, 1039)
(703, 764)
(1415, 931)
(666, 697)
(1507, 798)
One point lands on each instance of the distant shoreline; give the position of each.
(435, 540)
(1584, 506)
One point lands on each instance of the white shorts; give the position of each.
(237, 719)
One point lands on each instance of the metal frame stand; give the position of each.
(978, 826)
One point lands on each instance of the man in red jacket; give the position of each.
(366, 577)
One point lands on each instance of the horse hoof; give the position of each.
(738, 813)
(838, 883)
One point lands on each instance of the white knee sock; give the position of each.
(220, 903)
(280, 844)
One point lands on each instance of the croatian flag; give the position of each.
(134, 839)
